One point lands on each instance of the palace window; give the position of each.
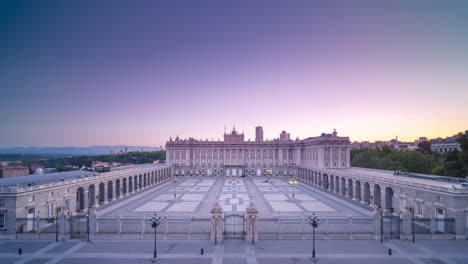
(402, 204)
(51, 208)
(438, 199)
(419, 209)
(2, 219)
(31, 198)
(51, 194)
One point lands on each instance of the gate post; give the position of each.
(217, 223)
(252, 215)
(376, 223)
(92, 223)
(406, 231)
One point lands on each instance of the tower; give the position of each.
(258, 134)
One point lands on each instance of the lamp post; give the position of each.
(412, 221)
(381, 224)
(57, 211)
(269, 171)
(314, 222)
(216, 216)
(155, 221)
(175, 181)
(293, 182)
(252, 219)
(87, 224)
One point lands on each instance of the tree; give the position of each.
(425, 147)
(463, 155)
(453, 165)
(439, 170)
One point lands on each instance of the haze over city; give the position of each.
(77, 75)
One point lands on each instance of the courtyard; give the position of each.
(195, 197)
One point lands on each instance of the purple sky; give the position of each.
(136, 72)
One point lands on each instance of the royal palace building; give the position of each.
(234, 156)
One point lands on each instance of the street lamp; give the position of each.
(412, 221)
(314, 222)
(216, 216)
(57, 211)
(293, 182)
(269, 171)
(155, 221)
(87, 224)
(175, 181)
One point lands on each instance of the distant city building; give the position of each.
(258, 134)
(447, 144)
(15, 171)
(35, 166)
(39, 171)
(71, 167)
(50, 170)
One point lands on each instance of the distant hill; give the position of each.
(92, 150)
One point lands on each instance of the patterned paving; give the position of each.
(197, 196)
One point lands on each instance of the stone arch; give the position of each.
(350, 188)
(357, 192)
(366, 193)
(135, 183)
(144, 180)
(92, 196)
(110, 190)
(102, 193)
(80, 199)
(377, 198)
(140, 182)
(337, 184)
(332, 183)
(117, 189)
(389, 198)
(325, 181)
(124, 186)
(343, 186)
(130, 184)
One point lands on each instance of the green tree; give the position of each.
(453, 165)
(463, 155)
(439, 170)
(425, 147)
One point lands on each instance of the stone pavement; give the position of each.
(196, 196)
(235, 251)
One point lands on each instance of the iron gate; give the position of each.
(234, 227)
(391, 226)
(78, 226)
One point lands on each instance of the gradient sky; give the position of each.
(79, 73)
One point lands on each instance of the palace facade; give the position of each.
(234, 156)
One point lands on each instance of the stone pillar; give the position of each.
(62, 225)
(105, 200)
(362, 194)
(92, 223)
(406, 229)
(371, 197)
(85, 201)
(376, 215)
(217, 223)
(252, 216)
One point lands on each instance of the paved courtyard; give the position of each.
(235, 251)
(195, 197)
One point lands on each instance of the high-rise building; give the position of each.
(259, 134)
